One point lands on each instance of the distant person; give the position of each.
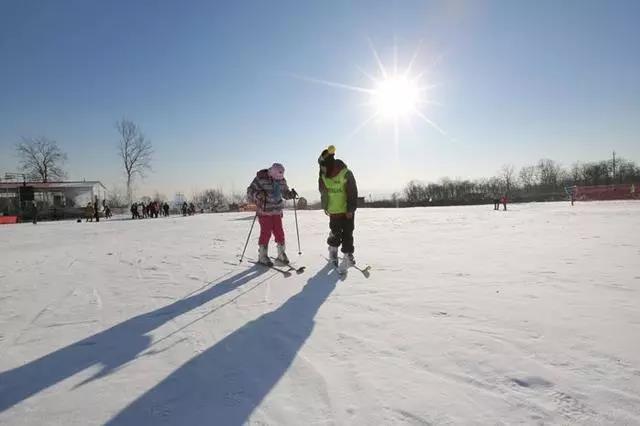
(166, 209)
(106, 209)
(185, 207)
(34, 212)
(96, 209)
(268, 190)
(496, 203)
(134, 211)
(504, 201)
(89, 212)
(339, 196)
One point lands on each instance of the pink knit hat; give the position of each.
(276, 171)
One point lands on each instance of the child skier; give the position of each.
(268, 191)
(339, 196)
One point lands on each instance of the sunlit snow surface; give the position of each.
(469, 316)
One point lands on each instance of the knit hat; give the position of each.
(327, 156)
(276, 171)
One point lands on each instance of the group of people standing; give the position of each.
(339, 196)
(151, 209)
(92, 210)
(502, 200)
(188, 209)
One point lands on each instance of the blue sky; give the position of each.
(212, 85)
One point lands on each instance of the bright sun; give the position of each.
(394, 94)
(395, 97)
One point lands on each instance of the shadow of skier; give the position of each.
(227, 382)
(109, 349)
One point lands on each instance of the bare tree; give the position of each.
(210, 199)
(596, 173)
(116, 198)
(528, 177)
(41, 159)
(508, 176)
(135, 151)
(576, 173)
(238, 198)
(549, 173)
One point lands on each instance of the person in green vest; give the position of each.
(339, 196)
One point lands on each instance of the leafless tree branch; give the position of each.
(135, 152)
(41, 159)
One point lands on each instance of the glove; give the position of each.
(349, 215)
(294, 194)
(260, 197)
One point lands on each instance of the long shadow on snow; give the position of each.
(108, 349)
(225, 384)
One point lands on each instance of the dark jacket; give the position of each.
(352, 187)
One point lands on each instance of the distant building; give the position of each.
(178, 200)
(59, 199)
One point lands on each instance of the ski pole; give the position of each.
(295, 213)
(252, 224)
(249, 236)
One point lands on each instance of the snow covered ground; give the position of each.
(470, 316)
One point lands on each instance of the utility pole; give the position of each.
(614, 167)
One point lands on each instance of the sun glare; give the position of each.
(395, 97)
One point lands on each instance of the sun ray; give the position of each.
(366, 74)
(375, 54)
(395, 96)
(430, 122)
(429, 102)
(395, 56)
(413, 59)
(427, 87)
(396, 133)
(362, 125)
(333, 84)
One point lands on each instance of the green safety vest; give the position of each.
(336, 192)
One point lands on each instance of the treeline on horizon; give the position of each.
(546, 180)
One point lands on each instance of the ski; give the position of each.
(289, 266)
(365, 271)
(284, 272)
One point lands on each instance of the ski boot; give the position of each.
(263, 256)
(350, 258)
(282, 256)
(333, 255)
(347, 262)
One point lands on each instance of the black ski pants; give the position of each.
(341, 232)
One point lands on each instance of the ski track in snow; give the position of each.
(469, 316)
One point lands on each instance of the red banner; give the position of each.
(5, 220)
(608, 192)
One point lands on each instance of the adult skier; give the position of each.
(339, 196)
(268, 191)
